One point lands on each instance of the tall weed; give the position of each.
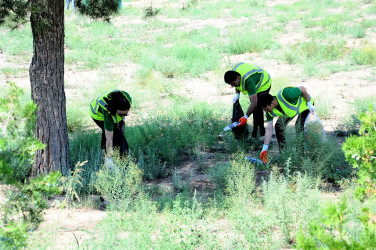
(314, 155)
(291, 201)
(85, 147)
(120, 184)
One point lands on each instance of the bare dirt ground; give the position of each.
(69, 226)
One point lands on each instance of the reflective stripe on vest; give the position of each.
(289, 109)
(244, 76)
(288, 105)
(99, 101)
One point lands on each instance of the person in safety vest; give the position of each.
(251, 80)
(288, 103)
(108, 112)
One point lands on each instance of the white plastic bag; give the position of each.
(314, 123)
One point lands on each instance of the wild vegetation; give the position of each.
(171, 56)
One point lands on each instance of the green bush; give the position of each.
(85, 146)
(240, 180)
(23, 210)
(169, 137)
(122, 183)
(17, 143)
(314, 155)
(219, 175)
(360, 152)
(291, 202)
(331, 230)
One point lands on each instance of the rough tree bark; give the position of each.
(47, 86)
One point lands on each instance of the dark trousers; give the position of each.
(281, 124)
(119, 141)
(258, 119)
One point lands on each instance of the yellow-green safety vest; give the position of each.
(246, 70)
(100, 102)
(290, 109)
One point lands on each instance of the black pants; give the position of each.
(119, 141)
(281, 124)
(258, 119)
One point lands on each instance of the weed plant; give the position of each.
(14, 72)
(255, 41)
(85, 146)
(167, 138)
(365, 55)
(315, 156)
(291, 201)
(120, 184)
(319, 52)
(240, 181)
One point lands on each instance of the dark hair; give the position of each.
(230, 76)
(264, 100)
(117, 101)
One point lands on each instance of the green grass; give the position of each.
(14, 71)
(254, 41)
(365, 55)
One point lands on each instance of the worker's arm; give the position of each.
(109, 142)
(251, 109)
(307, 97)
(305, 94)
(253, 105)
(268, 132)
(268, 137)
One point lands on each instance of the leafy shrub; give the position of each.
(23, 209)
(17, 143)
(121, 183)
(98, 8)
(331, 230)
(360, 152)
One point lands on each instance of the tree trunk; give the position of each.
(47, 86)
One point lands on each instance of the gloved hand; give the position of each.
(236, 97)
(264, 153)
(243, 120)
(311, 107)
(110, 163)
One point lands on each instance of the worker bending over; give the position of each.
(108, 112)
(288, 103)
(253, 81)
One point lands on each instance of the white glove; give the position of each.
(264, 148)
(236, 97)
(311, 107)
(110, 163)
